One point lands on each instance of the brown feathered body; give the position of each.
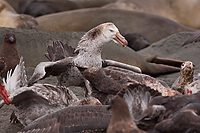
(9, 56)
(161, 110)
(121, 121)
(186, 120)
(109, 80)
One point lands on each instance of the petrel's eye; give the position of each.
(111, 30)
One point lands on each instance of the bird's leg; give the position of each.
(88, 88)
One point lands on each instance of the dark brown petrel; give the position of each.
(185, 120)
(161, 108)
(121, 120)
(9, 56)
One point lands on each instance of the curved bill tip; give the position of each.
(120, 39)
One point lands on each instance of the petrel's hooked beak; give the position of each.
(4, 94)
(120, 39)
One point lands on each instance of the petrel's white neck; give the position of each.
(90, 46)
(89, 52)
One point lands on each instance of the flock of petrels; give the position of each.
(118, 97)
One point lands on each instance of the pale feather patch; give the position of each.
(193, 87)
(137, 98)
(16, 79)
(129, 100)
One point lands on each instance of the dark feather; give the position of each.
(186, 119)
(110, 80)
(161, 108)
(73, 119)
(59, 51)
(137, 97)
(121, 120)
(58, 68)
(2, 64)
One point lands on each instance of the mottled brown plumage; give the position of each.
(41, 99)
(185, 120)
(137, 96)
(88, 55)
(37, 100)
(72, 119)
(110, 80)
(9, 56)
(161, 108)
(185, 78)
(121, 120)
